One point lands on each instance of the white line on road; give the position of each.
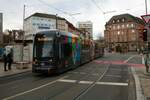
(66, 80)
(129, 58)
(25, 92)
(85, 82)
(90, 82)
(112, 83)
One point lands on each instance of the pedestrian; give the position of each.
(138, 50)
(5, 61)
(7, 57)
(147, 62)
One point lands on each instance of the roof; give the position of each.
(45, 16)
(60, 32)
(127, 17)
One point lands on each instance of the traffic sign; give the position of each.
(146, 18)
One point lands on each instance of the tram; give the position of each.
(55, 51)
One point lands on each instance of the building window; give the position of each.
(118, 27)
(118, 20)
(123, 20)
(113, 21)
(37, 18)
(33, 24)
(122, 25)
(133, 31)
(132, 25)
(114, 27)
(127, 25)
(133, 38)
(118, 32)
(37, 24)
(33, 18)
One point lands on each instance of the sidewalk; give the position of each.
(16, 69)
(142, 81)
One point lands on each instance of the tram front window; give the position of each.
(43, 47)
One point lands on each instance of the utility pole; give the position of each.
(23, 33)
(24, 11)
(56, 21)
(24, 6)
(146, 6)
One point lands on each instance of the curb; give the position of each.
(139, 93)
(15, 74)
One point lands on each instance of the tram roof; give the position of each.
(69, 34)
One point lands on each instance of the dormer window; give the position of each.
(118, 20)
(113, 21)
(123, 19)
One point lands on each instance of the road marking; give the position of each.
(66, 80)
(25, 92)
(125, 62)
(129, 59)
(113, 76)
(85, 82)
(91, 82)
(112, 83)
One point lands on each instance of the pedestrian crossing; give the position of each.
(91, 82)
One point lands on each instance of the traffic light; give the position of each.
(145, 35)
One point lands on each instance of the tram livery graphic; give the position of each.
(56, 52)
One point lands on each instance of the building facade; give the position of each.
(40, 21)
(124, 32)
(86, 26)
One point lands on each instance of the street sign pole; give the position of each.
(146, 19)
(146, 6)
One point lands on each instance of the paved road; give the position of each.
(92, 81)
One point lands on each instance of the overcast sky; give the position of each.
(89, 10)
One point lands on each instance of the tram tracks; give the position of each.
(91, 85)
(107, 78)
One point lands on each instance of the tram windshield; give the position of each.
(43, 47)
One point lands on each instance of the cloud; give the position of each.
(13, 10)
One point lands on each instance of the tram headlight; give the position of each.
(50, 60)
